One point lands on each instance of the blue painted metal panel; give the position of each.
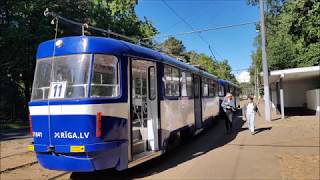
(108, 151)
(65, 163)
(82, 44)
(78, 129)
(112, 154)
(78, 101)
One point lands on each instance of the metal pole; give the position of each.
(281, 97)
(265, 65)
(255, 80)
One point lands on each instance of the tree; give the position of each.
(191, 56)
(174, 47)
(221, 69)
(23, 27)
(293, 35)
(224, 71)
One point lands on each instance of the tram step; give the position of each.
(138, 147)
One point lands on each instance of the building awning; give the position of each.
(294, 74)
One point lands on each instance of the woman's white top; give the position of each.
(250, 108)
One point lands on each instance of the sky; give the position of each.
(234, 44)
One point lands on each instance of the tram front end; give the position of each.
(78, 115)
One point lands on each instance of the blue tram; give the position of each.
(100, 103)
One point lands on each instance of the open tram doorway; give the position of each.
(144, 109)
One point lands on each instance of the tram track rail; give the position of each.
(18, 167)
(26, 165)
(16, 154)
(59, 175)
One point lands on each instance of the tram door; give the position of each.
(197, 102)
(144, 108)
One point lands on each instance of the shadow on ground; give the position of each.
(208, 140)
(259, 130)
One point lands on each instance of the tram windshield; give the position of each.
(68, 77)
(62, 77)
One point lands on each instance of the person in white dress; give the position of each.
(251, 109)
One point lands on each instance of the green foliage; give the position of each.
(223, 71)
(23, 27)
(293, 35)
(173, 47)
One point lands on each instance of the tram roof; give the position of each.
(102, 45)
(222, 82)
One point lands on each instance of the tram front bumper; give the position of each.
(92, 157)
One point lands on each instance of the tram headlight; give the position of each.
(59, 43)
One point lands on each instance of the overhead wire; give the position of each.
(205, 30)
(188, 18)
(140, 41)
(84, 25)
(189, 25)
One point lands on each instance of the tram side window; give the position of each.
(105, 77)
(221, 91)
(205, 87)
(211, 89)
(186, 84)
(216, 88)
(152, 83)
(227, 88)
(189, 84)
(41, 83)
(232, 91)
(171, 81)
(183, 82)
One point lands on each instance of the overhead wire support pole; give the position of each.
(212, 52)
(267, 108)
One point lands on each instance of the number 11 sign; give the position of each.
(57, 90)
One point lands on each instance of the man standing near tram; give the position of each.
(228, 108)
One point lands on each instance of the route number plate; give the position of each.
(57, 90)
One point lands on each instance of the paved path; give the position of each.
(281, 149)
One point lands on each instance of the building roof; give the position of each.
(294, 73)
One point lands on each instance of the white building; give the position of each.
(296, 89)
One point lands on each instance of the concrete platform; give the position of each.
(281, 149)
